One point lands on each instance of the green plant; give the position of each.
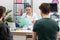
(9, 19)
(8, 11)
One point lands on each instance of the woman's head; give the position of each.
(28, 9)
(2, 11)
(44, 8)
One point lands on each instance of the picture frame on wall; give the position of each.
(18, 1)
(55, 1)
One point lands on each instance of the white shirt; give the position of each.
(30, 18)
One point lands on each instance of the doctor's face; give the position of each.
(28, 10)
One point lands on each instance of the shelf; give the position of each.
(16, 15)
(19, 3)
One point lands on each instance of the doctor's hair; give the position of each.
(2, 10)
(28, 6)
(45, 8)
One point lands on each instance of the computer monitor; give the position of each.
(53, 7)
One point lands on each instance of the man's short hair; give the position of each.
(45, 8)
(2, 10)
(28, 6)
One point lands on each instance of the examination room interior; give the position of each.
(20, 25)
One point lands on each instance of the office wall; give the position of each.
(59, 6)
(8, 4)
(36, 4)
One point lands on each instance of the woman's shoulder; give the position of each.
(24, 13)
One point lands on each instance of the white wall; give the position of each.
(8, 4)
(59, 7)
(37, 3)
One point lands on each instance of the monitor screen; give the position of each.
(53, 7)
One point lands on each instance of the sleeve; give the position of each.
(24, 15)
(35, 27)
(9, 37)
(5, 32)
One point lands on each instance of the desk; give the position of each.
(23, 33)
(26, 32)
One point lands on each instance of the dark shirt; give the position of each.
(5, 32)
(46, 29)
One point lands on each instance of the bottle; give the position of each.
(21, 12)
(16, 23)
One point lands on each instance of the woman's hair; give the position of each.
(28, 6)
(2, 10)
(45, 8)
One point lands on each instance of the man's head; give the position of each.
(45, 9)
(2, 11)
(28, 9)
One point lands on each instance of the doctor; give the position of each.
(30, 16)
